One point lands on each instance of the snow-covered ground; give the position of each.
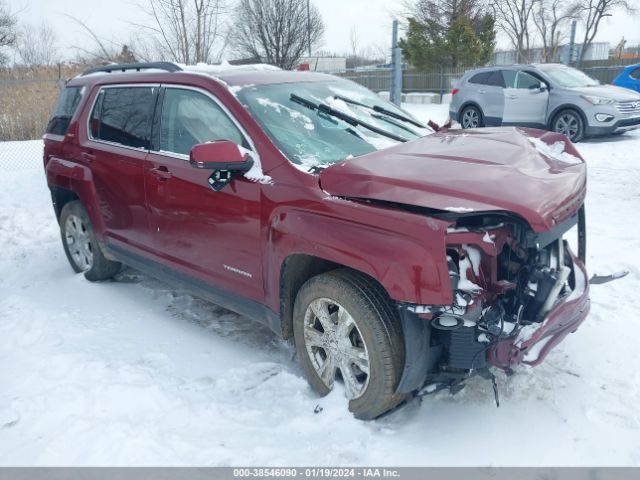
(133, 372)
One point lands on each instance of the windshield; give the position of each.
(568, 77)
(316, 124)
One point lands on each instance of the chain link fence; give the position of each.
(21, 155)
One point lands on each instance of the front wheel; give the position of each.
(346, 329)
(569, 123)
(80, 244)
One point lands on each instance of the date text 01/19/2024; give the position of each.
(315, 473)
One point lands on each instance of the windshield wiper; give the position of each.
(353, 121)
(379, 109)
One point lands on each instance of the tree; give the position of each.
(276, 31)
(7, 29)
(37, 46)
(593, 11)
(183, 31)
(449, 32)
(513, 18)
(549, 17)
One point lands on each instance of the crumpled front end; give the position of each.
(517, 294)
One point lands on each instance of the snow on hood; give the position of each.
(528, 172)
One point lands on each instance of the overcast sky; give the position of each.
(111, 19)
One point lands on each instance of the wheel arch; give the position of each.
(566, 106)
(296, 269)
(60, 197)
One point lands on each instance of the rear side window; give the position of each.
(509, 78)
(66, 106)
(495, 79)
(123, 115)
(480, 78)
(635, 74)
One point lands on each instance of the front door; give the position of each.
(212, 235)
(526, 99)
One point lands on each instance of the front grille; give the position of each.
(629, 108)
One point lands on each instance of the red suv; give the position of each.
(401, 260)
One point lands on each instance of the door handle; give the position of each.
(161, 172)
(482, 91)
(512, 97)
(88, 157)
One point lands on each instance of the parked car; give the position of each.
(629, 77)
(397, 258)
(548, 96)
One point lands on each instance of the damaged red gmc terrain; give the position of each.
(401, 260)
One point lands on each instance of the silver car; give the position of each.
(548, 96)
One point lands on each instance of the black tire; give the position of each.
(471, 117)
(570, 123)
(88, 258)
(377, 326)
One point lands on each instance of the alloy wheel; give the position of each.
(470, 118)
(78, 242)
(335, 345)
(568, 124)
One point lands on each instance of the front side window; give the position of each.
(123, 115)
(190, 118)
(635, 74)
(63, 111)
(527, 81)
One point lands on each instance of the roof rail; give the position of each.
(123, 67)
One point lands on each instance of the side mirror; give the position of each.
(223, 157)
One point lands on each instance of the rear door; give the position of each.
(487, 91)
(116, 148)
(525, 102)
(214, 236)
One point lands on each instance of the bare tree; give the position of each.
(549, 17)
(7, 29)
(593, 11)
(37, 46)
(183, 31)
(513, 18)
(276, 31)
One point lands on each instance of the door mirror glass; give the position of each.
(223, 157)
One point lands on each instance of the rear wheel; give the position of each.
(569, 123)
(471, 117)
(80, 244)
(346, 329)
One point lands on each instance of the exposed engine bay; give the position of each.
(506, 280)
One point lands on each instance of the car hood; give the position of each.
(619, 94)
(535, 174)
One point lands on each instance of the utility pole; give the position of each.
(396, 67)
(309, 28)
(572, 42)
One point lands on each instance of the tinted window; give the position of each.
(480, 78)
(190, 118)
(495, 79)
(63, 111)
(635, 74)
(122, 115)
(509, 78)
(525, 80)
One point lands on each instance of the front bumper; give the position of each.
(533, 342)
(619, 126)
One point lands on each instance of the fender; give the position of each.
(78, 179)
(566, 106)
(405, 252)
